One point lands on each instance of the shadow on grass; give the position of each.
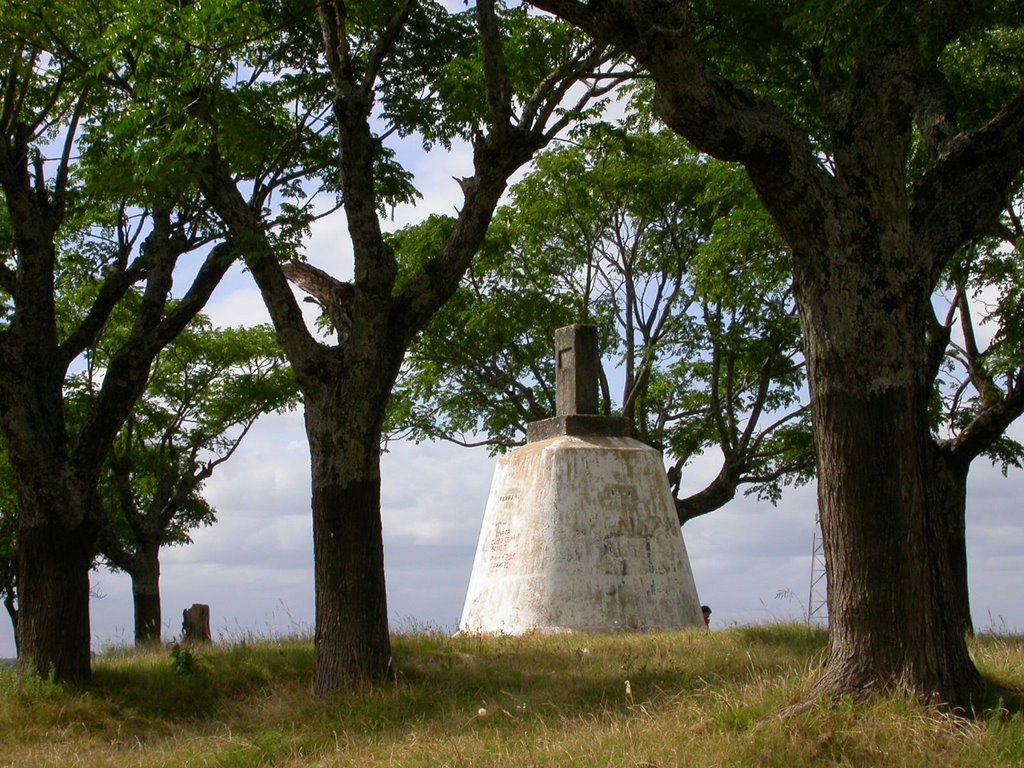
(449, 680)
(186, 683)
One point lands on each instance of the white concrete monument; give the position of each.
(580, 533)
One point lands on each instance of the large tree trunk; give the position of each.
(53, 600)
(145, 575)
(890, 575)
(894, 614)
(352, 640)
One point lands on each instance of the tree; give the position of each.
(630, 229)
(980, 386)
(58, 223)
(500, 83)
(820, 103)
(206, 390)
(96, 145)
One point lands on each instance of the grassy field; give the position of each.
(693, 699)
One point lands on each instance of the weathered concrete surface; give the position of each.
(580, 535)
(580, 425)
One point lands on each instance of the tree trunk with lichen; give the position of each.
(892, 582)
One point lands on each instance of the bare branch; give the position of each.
(980, 378)
(333, 296)
(60, 184)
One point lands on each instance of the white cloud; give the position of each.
(236, 301)
(435, 175)
(329, 246)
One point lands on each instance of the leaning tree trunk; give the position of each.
(893, 608)
(145, 573)
(53, 600)
(352, 640)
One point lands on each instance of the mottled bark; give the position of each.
(344, 416)
(864, 303)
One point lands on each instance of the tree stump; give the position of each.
(195, 624)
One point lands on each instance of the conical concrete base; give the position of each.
(580, 535)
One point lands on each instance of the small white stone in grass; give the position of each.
(482, 712)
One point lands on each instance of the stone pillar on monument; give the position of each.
(577, 369)
(580, 532)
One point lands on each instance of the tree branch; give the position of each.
(962, 194)
(333, 296)
(980, 378)
(60, 184)
(720, 117)
(385, 43)
(220, 190)
(935, 113)
(128, 371)
(715, 495)
(115, 286)
(499, 92)
(987, 427)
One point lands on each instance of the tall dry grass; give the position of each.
(692, 699)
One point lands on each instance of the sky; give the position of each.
(751, 561)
